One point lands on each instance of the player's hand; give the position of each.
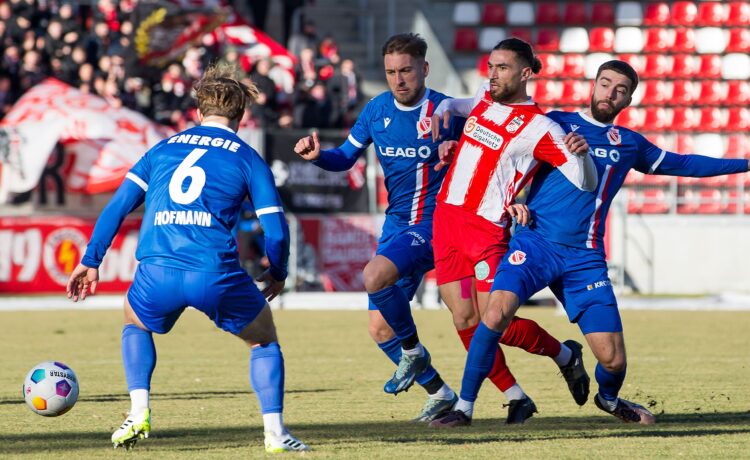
(435, 124)
(521, 213)
(576, 144)
(82, 280)
(446, 151)
(273, 286)
(308, 147)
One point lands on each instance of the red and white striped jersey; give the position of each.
(500, 149)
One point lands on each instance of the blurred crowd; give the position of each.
(88, 45)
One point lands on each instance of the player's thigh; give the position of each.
(261, 330)
(231, 300)
(530, 264)
(156, 298)
(459, 297)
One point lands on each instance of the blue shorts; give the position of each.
(578, 277)
(410, 250)
(160, 294)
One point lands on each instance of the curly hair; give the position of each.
(219, 92)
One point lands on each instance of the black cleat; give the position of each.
(520, 410)
(452, 419)
(575, 373)
(628, 412)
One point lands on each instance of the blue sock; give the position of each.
(609, 383)
(479, 361)
(392, 349)
(138, 357)
(395, 308)
(267, 377)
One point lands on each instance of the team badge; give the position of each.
(481, 270)
(62, 251)
(514, 124)
(424, 127)
(517, 258)
(614, 136)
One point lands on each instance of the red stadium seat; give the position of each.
(656, 119)
(493, 14)
(684, 119)
(660, 140)
(733, 202)
(655, 93)
(711, 120)
(551, 65)
(684, 66)
(548, 13)
(657, 66)
(635, 61)
(482, 62)
(602, 13)
(711, 93)
(654, 202)
(630, 118)
(635, 199)
(575, 14)
(738, 146)
(547, 40)
(546, 92)
(684, 13)
(601, 39)
(656, 14)
(739, 14)
(465, 39)
(683, 93)
(710, 66)
(738, 119)
(711, 14)
(709, 202)
(739, 40)
(634, 177)
(714, 182)
(522, 33)
(658, 40)
(738, 92)
(573, 66)
(684, 40)
(688, 202)
(575, 92)
(684, 143)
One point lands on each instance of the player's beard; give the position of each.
(409, 98)
(502, 93)
(604, 115)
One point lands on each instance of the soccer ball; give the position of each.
(50, 388)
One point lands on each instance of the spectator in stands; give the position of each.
(306, 71)
(313, 108)
(98, 42)
(345, 93)
(306, 38)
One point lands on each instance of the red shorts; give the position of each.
(466, 245)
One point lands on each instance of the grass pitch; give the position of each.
(691, 368)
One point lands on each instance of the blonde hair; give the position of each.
(220, 92)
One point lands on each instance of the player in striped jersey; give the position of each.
(193, 185)
(397, 122)
(505, 140)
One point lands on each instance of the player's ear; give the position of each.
(426, 68)
(526, 73)
(200, 115)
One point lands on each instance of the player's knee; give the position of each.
(614, 362)
(375, 278)
(465, 318)
(494, 317)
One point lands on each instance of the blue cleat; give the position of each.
(408, 369)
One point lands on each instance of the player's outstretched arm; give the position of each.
(82, 280)
(447, 109)
(446, 152)
(308, 147)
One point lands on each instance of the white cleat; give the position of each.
(284, 443)
(134, 427)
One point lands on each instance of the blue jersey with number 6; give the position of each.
(195, 183)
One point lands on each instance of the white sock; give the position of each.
(274, 423)
(514, 392)
(563, 358)
(416, 351)
(444, 392)
(138, 401)
(466, 407)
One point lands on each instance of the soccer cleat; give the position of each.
(628, 412)
(436, 408)
(520, 410)
(408, 369)
(452, 419)
(575, 373)
(134, 427)
(284, 443)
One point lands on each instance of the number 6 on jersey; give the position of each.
(184, 170)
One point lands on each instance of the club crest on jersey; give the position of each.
(614, 136)
(514, 124)
(517, 258)
(424, 127)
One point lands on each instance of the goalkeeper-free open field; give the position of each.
(691, 368)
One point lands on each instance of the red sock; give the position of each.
(528, 335)
(500, 375)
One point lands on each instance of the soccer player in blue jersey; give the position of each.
(563, 245)
(398, 123)
(193, 185)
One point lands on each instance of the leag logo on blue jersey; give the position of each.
(407, 152)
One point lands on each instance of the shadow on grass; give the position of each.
(483, 431)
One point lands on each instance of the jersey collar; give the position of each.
(592, 120)
(213, 124)
(407, 108)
